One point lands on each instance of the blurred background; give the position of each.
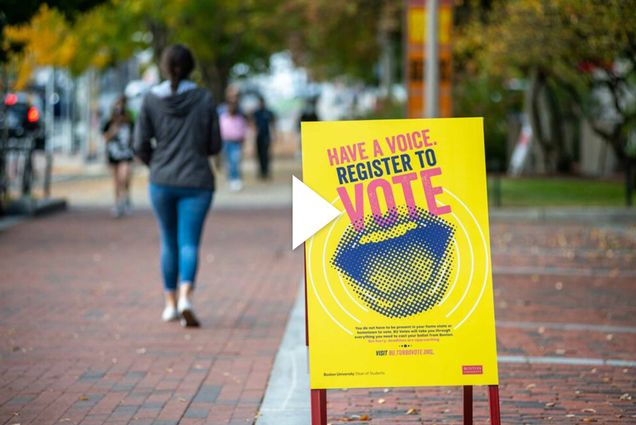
(555, 81)
(81, 343)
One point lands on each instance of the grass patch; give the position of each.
(556, 191)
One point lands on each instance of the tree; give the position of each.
(576, 54)
(46, 40)
(16, 12)
(221, 33)
(51, 39)
(226, 33)
(331, 38)
(477, 91)
(341, 38)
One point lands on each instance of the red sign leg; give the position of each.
(318, 407)
(468, 405)
(493, 395)
(318, 397)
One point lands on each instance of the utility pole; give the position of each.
(431, 91)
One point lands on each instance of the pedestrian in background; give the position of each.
(309, 113)
(232, 95)
(264, 121)
(182, 119)
(233, 130)
(117, 133)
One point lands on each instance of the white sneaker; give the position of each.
(127, 207)
(188, 319)
(235, 185)
(169, 314)
(117, 211)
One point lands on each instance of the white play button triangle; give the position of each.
(310, 212)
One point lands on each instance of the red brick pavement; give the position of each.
(82, 342)
(544, 273)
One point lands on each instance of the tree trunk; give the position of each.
(537, 83)
(615, 138)
(160, 36)
(545, 112)
(215, 78)
(561, 159)
(618, 143)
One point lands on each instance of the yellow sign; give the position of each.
(399, 287)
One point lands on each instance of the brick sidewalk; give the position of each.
(82, 342)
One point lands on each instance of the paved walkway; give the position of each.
(81, 337)
(95, 189)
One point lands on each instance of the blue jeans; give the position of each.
(233, 157)
(181, 214)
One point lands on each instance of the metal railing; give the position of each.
(18, 176)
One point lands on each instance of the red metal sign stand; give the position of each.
(493, 396)
(468, 404)
(319, 406)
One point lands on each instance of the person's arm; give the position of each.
(214, 147)
(109, 130)
(144, 132)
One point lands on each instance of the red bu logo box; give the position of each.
(473, 370)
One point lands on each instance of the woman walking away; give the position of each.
(118, 136)
(182, 120)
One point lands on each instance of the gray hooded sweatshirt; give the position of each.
(185, 129)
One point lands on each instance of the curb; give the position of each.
(580, 214)
(287, 397)
(36, 207)
(22, 210)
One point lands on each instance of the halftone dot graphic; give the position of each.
(398, 265)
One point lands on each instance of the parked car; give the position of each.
(23, 119)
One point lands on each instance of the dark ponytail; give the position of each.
(177, 62)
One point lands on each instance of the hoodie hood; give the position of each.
(178, 103)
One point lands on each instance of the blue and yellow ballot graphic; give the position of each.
(399, 286)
